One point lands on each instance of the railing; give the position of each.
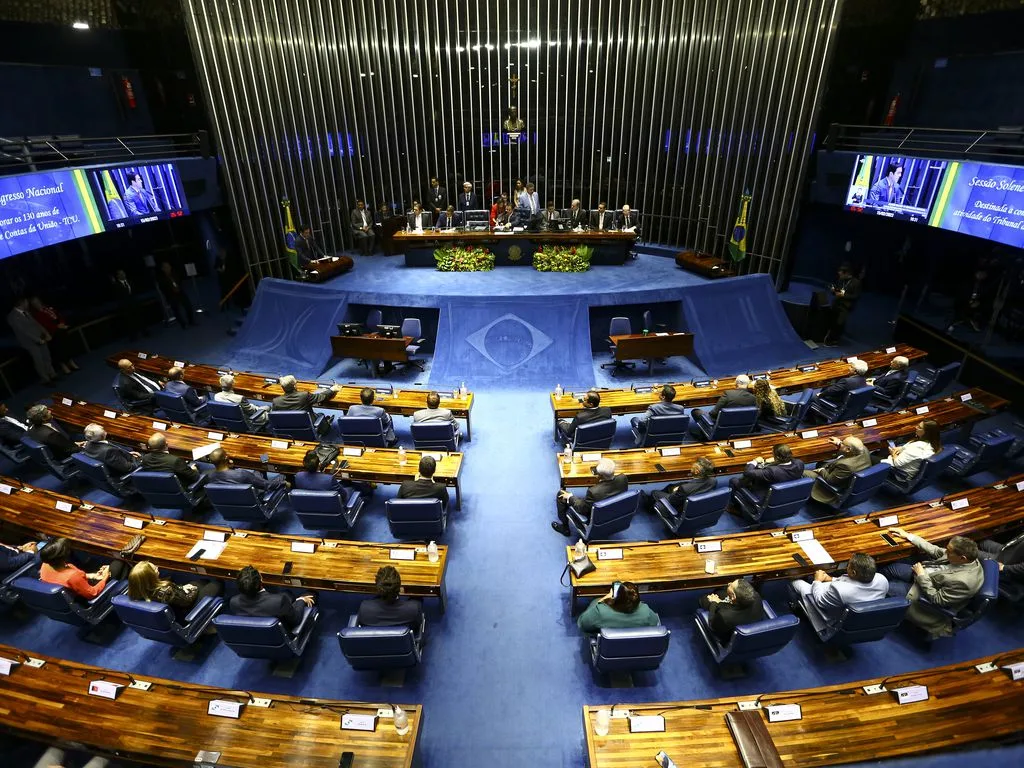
(30, 154)
(996, 145)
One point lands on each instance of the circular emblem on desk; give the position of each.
(515, 253)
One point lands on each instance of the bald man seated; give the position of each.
(177, 386)
(134, 389)
(159, 459)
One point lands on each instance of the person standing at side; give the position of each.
(33, 338)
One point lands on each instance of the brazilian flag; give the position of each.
(738, 241)
(290, 236)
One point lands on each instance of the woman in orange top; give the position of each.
(58, 569)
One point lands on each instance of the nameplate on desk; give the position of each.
(223, 708)
(205, 758)
(204, 450)
(215, 435)
(110, 414)
(104, 689)
(143, 356)
(1015, 671)
(959, 504)
(590, 457)
(179, 363)
(134, 522)
(214, 536)
(646, 724)
(1019, 486)
(781, 713)
(709, 546)
(890, 350)
(670, 451)
(66, 401)
(354, 452)
(402, 554)
(887, 520)
(160, 425)
(7, 666)
(27, 489)
(911, 693)
(64, 506)
(701, 383)
(6, 489)
(306, 547)
(801, 535)
(351, 722)
(808, 368)
(922, 409)
(737, 444)
(281, 445)
(869, 422)
(809, 434)
(609, 554)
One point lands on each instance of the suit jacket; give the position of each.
(466, 203)
(356, 219)
(27, 330)
(258, 416)
(835, 393)
(759, 479)
(320, 481)
(838, 473)
(529, 202)
(831, 597)
(734, 398)
(401, 613)
(377, 412)
(421, 488)
(723, 617)
(609, 220)
(945, 585)
(247, 477)
(159, 461)
(276, 605)
(436, 197)
(578, 218)
(680, 492)
(432, 415)
(301, 401)
(305, 251)
(115, 458)
(12, 559)
(622, 223)
(60, 445)
(1012, 558)
(443, 223)
(133, 391)
(891, 382)
(595, 493)
(192, 398)
(425, 220)
(588, 415)
(660, 408)
(10, 433)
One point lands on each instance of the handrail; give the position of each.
(933, 142)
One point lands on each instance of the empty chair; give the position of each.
(368, 431)
(700, 511)
(299, 425)
(862, 486)
(728, 422)
(368, 648)
(663, 430)
(748, 641)
(649, 324)
(326, 510)
(164, 490)
(411, 326)
(782, 500)
(176, 409)
(619, 326)
(96, 472)
(880, 402)
(436, 436)
(977, 605)
(792, 420)
(41, 456)
(244, 503)
(632, 649)
(231, 417)
(858, 623)
(930, 470)
(60, 603)
(850, 407)
(607, 516)
(594, 435)
(416, 518)
(254, 637)
(16, 454)
(933, 381)
(156, 621)
(986, 451)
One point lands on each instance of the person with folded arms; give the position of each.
(57, 568)
(13, 558)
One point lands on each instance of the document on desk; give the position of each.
(661, 334)
(813, 549)
(211, 549)
(204, 450)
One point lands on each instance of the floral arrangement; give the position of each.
(563, 258)
(462, 259)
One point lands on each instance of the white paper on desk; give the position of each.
(211, 549)
(204, 450)
(813, 549)
(661, 334)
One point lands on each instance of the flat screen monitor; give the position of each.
(40, 209)
(984, 200)
(894, 186)
(138, 194)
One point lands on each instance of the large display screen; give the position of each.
(895, 187)
(41, 209)
(137, 194)
(984, 200)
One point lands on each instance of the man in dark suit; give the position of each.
(702, 479)
(13, 558)
(740, 397)
(449, 218)
(116, 459)
(602, 219)
(608, 484)
(253, 600)
(177, 386)
(44, 431)
(578, 217)
(174, 294)
(129, 308)
(467, 198)
(224, 472)
(362, 228)
(759, 475)
(365, 407)
(160, 460)
(664, 407)
(136, 390)
(838, 472)
(424, 487)
(418, 219)
(739, 604)
(11, 430)
(592, 411)
(891, 382)
(846, 291)
(436, 197)
(387, 609)
(307, 248)
(1010, 557)
(295, 400)
(836, 391)
(628, 220)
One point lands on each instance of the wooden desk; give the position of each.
(841, 723)
(784, 379)
(372, 347)
(513, 249)
(379, 465)
(649, 347)
(639, 464)
(704, 264)
(337, 565)
(258, 386)
(168, 724)
(324, 269)
(675, 565)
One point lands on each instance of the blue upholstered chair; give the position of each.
(594, 435)
(326, 510)
(373, 319)
(607, 516)
(42, 458)
(977, 605)
(986, 451)
(619, 326)
(880, 402)
(858, 623)
(157, 621)
(96, 472)
(16, 454)
(850, 407)
(933, 381)
(178, 410)
(231, 417)
(782, 500)
(60, 603)
(729, 422)
(436, 436)
(416, 518)
(381, 648)
(663, 430)
(700, 511)
(862, 486)
(927, 473)
(362, 430)
(299, 425)
(266, 638)
(132, 406)
(8, 595)
(244, 503)
(633, 649)
(791, 421)
(748, 641)
(411, 326)
(164, 490)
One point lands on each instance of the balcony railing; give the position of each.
(998, 145)
(31, 154)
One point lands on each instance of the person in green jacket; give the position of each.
(621, 607)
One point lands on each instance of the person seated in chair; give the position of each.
(891, 382)
(769, 404)
(312, 479)
(13, 558)
(57, 568)
(736, 605)
(740, 397)
(592, 411)
(948, 580)
(176, 386)
(258, 417)
(434, 413)
(11, 430)
(46, 432)
(388, 609)
(760, 475)
(136, 390)
(295, 400)
(664, 407)
(424, 487)
(159, 459)
(365, 407)
(702, 479)
(836, 391)
(838, 472)
(608, 484)
(1010, 557)
(619, 609)
(449, 218)
(145, 584)
(118, 461)
(253, 600)
(225, 472)
(908, 459)
(860, 584)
